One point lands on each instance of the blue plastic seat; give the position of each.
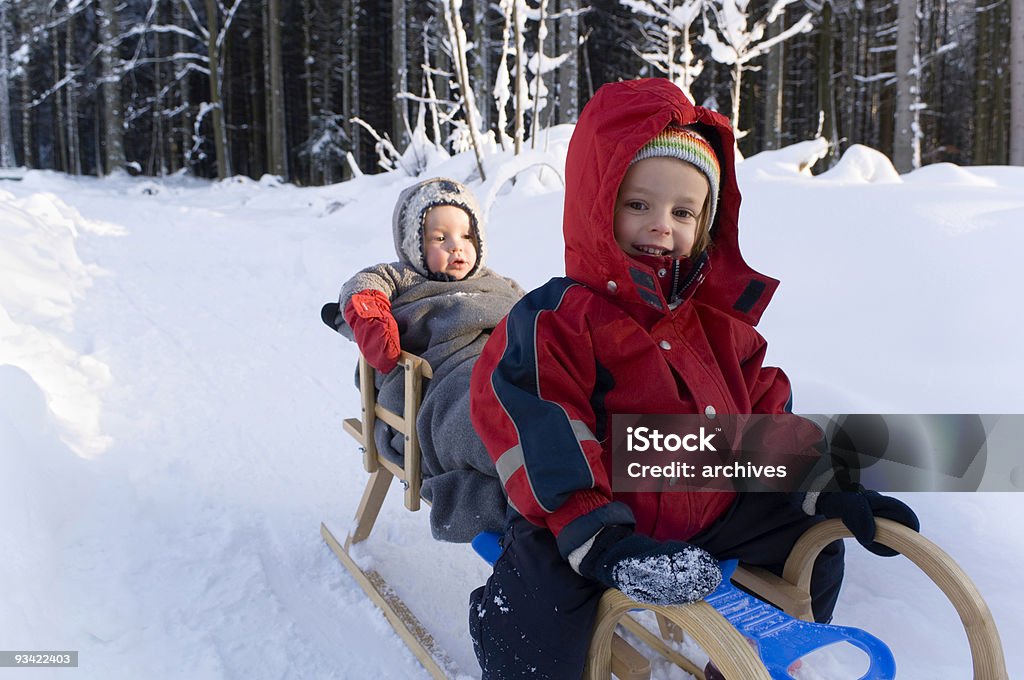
(780, 638)
(487, 545)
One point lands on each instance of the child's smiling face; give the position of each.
(448, 242)
(658, 206)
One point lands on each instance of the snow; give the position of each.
(171, 404)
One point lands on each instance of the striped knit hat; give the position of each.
(687, 145)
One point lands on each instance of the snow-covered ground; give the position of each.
(171, 405)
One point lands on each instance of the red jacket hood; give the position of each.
(620, 119)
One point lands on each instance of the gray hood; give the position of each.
(411, 209)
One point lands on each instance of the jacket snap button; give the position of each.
(662, 272)
(665, 344)
(709, 411)
(613, 287)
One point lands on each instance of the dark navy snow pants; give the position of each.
(533, 617)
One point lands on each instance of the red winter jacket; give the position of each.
(603, 339)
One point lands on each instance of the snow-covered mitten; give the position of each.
(858, 510)
(650, 571)
(368, 314)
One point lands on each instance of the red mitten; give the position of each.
(368, 314)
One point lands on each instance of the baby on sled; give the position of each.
(440, 302)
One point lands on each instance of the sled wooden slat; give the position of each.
(409, 629)
(413, 387)
(354, 427)
(368, 395)
(627, 662)
(982, 635)
(658, 644)
(716, 636)
(369, 506)
(777, 590)
(390, 418)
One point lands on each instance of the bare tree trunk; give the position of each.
(278, 162)
(70, 90)
(1017, 82)
(6, 133)
(351, 105)
(399, 75)
(219, 131)
(324, 96)
(266, 100)
(97, 139)
(227, 83)
(502, 78)
(983, 88)
(428, 86)
(737, 80)
(462, 71)
(157, 164)
(185, 142)
(479, 68)
(866, 93)
(59, 127)
(441, 90)
(520, 89)
(852, 102)
(333, 98)
(773, 76)
(826, 67)
(538, 78)
(307, 61)
(568, 72)
(113, 126)
(670, 53)
(27, 149)
(906, 152)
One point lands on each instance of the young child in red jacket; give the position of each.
(656, 314)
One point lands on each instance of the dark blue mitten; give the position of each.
(858, 510)
(650, 571)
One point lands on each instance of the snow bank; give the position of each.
(44, 280)
(947, 174)
(862, 165)
(39, 479)
(793, 160)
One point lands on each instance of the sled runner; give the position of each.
(725, 638)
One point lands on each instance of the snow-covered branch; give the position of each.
(735, 39)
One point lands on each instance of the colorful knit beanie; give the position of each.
(687, 145)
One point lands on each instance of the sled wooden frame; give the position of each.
(610, 653)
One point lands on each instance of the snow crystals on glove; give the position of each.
(686, 576)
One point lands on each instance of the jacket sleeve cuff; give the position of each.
(584, 527)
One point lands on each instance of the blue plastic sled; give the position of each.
(780, 638)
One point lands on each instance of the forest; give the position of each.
(317, 91)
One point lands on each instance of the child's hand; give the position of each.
(368, 314)
(858, 510)
(650, 571)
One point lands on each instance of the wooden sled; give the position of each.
(610, 653)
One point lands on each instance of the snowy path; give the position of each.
(190, 547)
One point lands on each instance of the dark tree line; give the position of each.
(317, 90)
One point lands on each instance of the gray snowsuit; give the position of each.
(447, 323)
